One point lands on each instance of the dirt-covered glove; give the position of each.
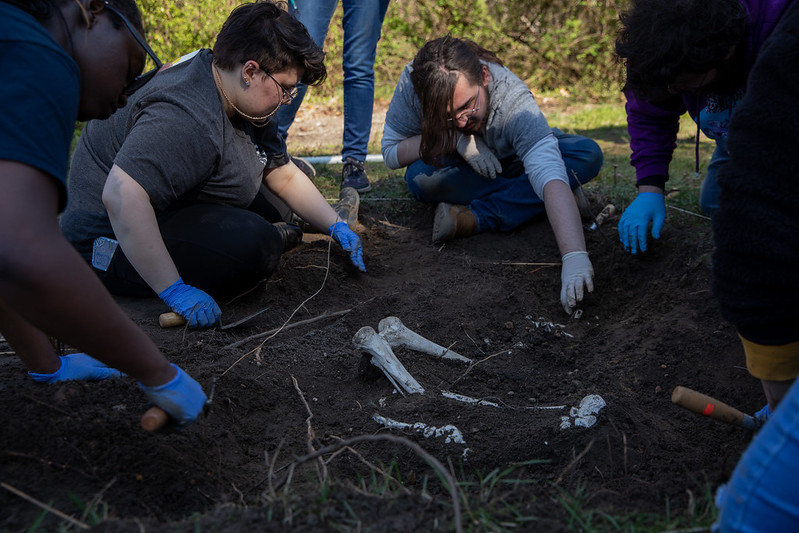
(648, 207)
(576, 274)
(196, 306)
(78, 366)
(476, 152)
(182, 398)
(350, 241)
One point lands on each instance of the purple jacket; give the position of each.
(653, 127)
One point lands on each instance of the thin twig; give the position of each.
(50, 463)
(311, 433)
(272, 333)
(471, 366)
(54, 408)
(326, 314)
(421, 452)
(688, 212)
(48, 508)
(97, 497)
(574, 462)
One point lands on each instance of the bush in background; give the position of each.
(554, 45)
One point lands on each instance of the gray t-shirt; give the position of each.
(176, 141)
(515, 126)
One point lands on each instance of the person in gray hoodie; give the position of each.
(475, 142)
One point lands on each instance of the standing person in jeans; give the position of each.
(363, 20)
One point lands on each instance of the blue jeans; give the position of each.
(362, 23)
(709, 195)
(761, 494)
(508, 201)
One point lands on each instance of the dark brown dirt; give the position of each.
(650, 325)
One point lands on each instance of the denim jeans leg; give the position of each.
(582, 156)
(500, 204)
(709, 195)
(362, 22)
(315, 15)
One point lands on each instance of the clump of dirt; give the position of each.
(651, 324)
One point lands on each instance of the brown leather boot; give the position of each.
(453, 221)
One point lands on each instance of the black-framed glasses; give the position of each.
(288, 95)
(141, 79)
(467, 113)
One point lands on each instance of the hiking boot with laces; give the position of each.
(304, 165)
(353, 175)
(453, 221)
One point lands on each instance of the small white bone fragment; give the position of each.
(367, 340)
(467, 399)
(451, 433)
(397, 334)
(585, 415)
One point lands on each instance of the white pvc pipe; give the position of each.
(336, 159)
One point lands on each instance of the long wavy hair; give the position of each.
(436, 68)
(661, 39)
(265, 32)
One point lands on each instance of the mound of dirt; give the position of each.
(651, 324)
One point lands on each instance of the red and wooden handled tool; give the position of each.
(712, 408)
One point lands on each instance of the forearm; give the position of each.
(408, 150)
(136, 228)
(300, 194)
(564, 217)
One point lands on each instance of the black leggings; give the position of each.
(220, 249)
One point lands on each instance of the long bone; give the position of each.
(367, 340)
(397, 334)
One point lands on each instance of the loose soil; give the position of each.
(650, 324)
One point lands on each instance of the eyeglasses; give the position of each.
(467, 113)
(288, 95)
(139, 81)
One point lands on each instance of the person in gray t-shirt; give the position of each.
(475, 142)
(191, 178)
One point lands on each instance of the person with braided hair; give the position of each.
(62, 61)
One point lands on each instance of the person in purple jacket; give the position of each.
(683, 56)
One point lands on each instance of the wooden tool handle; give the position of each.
(154, 419)
(707, 406)
(608, 211)
(170, 320)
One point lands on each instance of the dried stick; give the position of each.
(94, 501)
(326, 314)
(311, 433)
(44, 506)
(574, 462)
(474, 365)
(432, 461)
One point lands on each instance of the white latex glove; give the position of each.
(476, 152)
(576, 273)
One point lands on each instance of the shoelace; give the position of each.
(352, 165)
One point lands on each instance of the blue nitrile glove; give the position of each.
(763, 415)
(182, 398)
(350, 241)
(647, 207)
(78, 366)
(196, 306)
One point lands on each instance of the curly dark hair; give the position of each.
(436, 68)
(265, 32)
(661, 39)
(45, 9)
